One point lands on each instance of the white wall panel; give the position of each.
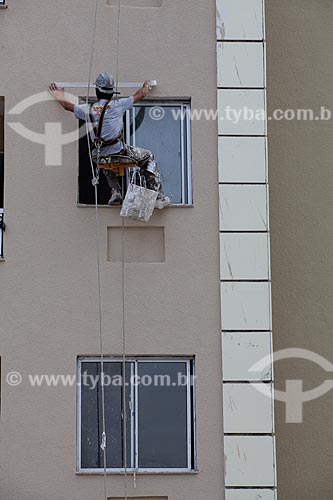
(245, 306)
(240, 20)
(242, 159)
(244, 256)
(245, 251)
(250, 494)
(241, 112)
(249, 461)
(243, 208)
(240, 351)
(246, 410)
(240, 64)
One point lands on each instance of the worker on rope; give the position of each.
(106, 119)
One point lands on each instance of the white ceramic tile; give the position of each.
(243, 208)
(244, 256)
(241, 351)
(245, 306)
(250, 494)
(240, 64)
(242, 159)
(241, 112)
(246, 409)
(249, 461)
(239, 20)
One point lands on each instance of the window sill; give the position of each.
(90, 472)
(3, 6)
(174, 205)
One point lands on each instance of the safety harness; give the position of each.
(98, 141)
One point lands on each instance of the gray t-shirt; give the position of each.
(112, 123)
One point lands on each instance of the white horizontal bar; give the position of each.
(138, 471)
(84, 85)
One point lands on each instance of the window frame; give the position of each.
(1, 233)
(191, 416)
(2, 177)
(186, 166)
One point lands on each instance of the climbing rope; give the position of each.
(124, 348)
(95, 182)
(118, 42)
(124, 402)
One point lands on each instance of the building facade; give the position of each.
(171, 290)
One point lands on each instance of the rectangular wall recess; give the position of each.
(138, 498)
(141, 244)
(136, 3)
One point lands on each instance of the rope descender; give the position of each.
(103, 442)
(98, 144)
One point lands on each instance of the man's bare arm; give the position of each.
(59, 96)
(142, 93)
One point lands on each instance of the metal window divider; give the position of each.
(132, 416)
(188, 411)
(78, 416)
(136, 430)
(188, 156)
(182, 145)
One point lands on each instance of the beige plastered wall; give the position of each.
(48, 279)
(300, 68)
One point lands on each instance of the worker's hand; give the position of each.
(146, 87)
(57, 92)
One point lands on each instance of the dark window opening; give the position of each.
(2, 148)
(2, 166)
(160, 415)
(163, 127)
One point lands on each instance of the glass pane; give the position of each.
(163, 138)
(162, 411)
(91, 415)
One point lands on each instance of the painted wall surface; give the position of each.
(48, 279)
(300, 68)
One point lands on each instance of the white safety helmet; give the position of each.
(105, 83)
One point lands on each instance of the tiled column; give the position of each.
(250, 466)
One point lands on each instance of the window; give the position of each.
(164, 127)
(160, 413)
(2, 156)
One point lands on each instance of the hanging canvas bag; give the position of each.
(139, 201)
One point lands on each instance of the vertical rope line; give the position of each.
(123, 289)
(118, 42)
(124, 347)
(101, 341)
(98, 255)
(88, 89)
(104, 441)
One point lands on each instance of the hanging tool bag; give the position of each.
(139, 201)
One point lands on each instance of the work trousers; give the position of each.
(148, 169)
